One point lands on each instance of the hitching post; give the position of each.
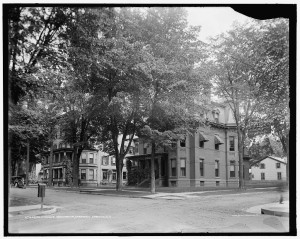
(41, 193)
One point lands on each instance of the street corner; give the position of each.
(32, 210)
(273, 209)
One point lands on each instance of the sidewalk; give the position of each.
(113, 192)
(275, 209)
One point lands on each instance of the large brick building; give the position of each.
(208, 157)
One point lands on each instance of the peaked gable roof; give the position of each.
(278, 159)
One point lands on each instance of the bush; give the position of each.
(135, 176)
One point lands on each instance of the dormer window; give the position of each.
(216, 114)
(182, 143)
(217, 117)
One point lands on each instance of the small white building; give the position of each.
(269, 168)
(107, 164)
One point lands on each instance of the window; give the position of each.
(232, 169)
(136, 148)
(62, 155)
(83, 158)
(173, 183)
(182, 143)
(130, 150)
(201, 167)
(56, 158)
(173, 167)
(91, 158)
(54, 146)
(279, 176)
(145, 150)
(182, 167)
(114, 175)
(262, 176)
(217, 168)
(217, 117)
(60, 174)
(124, 175)
(54, 173)
(201, 144)
(218, 141)
(69, 155)
(105, 160)
(104, 174)
(217, 183)
(91, 174)
(83, 174)
(113, 160)
(162, 167)
(277, 165)
(262, 166)
(201, 183)
(46, 174)
(231, 143)
(60, 145)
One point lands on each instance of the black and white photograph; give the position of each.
(149, 119)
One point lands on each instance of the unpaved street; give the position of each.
(84, 213)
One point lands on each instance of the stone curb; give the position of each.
(52, 210)
(274, 213)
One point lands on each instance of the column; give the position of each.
(159, 167)
(64, 173)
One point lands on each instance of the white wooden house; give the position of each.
(269, 168)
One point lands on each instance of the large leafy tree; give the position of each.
(103, 60)
(33, 47)
(173, 80)
(271, 48)
(81, 122)
(235, 83)
(34, 42)
(250, 79)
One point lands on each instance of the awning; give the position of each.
(218, 140)
(203, 137)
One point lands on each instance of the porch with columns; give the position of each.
(160, 166)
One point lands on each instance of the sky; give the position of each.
(214, 20)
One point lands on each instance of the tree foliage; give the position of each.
(250, 66)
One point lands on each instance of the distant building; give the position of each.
(62, 154)
(269, 168)
(107, 164)
(208, 158)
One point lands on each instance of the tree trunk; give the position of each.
(240, 147)
(119, 167)
(287, 160)
(50, 179)
(240, 143)
(152, 187)
(76, 158)
(27, 165)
